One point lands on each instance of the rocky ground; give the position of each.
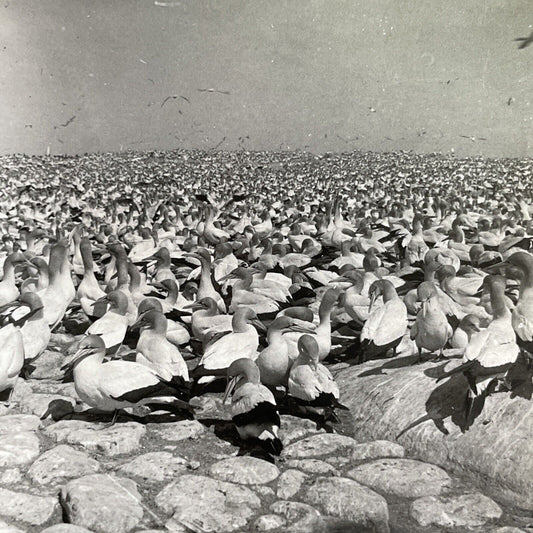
(158, 473)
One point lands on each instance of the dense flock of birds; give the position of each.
(179, 271)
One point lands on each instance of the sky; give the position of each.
(316, 75)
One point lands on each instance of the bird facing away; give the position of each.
(253, 407)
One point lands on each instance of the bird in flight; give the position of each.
(213, 91)
(173, 97)
(472, 138)
(526, 41)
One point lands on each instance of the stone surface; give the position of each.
(114, 440)
(294, 428)
(18, 448)
(301, 517)
(397, 395)
(39, 404)
(322, 444)
(59, 463)
(66, 528)
(507, 529)
(176, 431)
(401, 477)
(17, 423)
(267, 522)
(10, 476)
(6, 528)
(347, 499)
(102, 503)
(154, 467)
(377, 449)
(48, 365)
(246, 470)
(218, 506)
(35, 510)
(313, 466)
(468, 510)
(289, 483)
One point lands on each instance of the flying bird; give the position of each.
(67, 123)
(526, 41)
(472, 138)
(213, 91)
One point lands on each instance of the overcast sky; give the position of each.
(319, 75)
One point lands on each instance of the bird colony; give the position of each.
(172, 322)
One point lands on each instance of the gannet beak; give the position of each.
(497, 266)
(475, 327)
(301, 329)
(230, 387)
(373, 299)
(100, 301)
(195, 306)
(258, 324)
(76, 358)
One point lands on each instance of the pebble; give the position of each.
(293, 428)
(245, 470)
(264, 491)
(48, 366)
(35, 510)
(406, 478)
(176, 431)
(347, 499)
(154, 467)
(377, 449)
(115, 440)
(66, 528)
(468, 510)
(218, 506)
(313, 466)
(60, 463)
(267, 522)
(322, 444)
(103, 503)
(9, 476)
(507, 529)
(18, 448)
(289, 483)
(6, 528)
(18, 423)
(302, 517)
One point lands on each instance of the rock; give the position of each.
(6, 528)
(39, 404)
(289, 483)
(468, 510)
(10, 476)
(66, 528)
(302, 517)
(203, 404)
(264, 491)
(21, 389)
(102, 503)
(218, 506)
(376, 449)
(267, 522)
(53, 387)
(114, 440)
(293, 428)
(48, 365)
(347, 499)
(16, 423)
(384, 403)
(402, 477)
(4, 409)
(154, 467)
(507, 529)
(245, 470)
(60, 463)
(18, 448)
(313, 466)
(322, 444)
(176, 431)
(35, 510)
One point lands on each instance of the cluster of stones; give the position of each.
(76, 476)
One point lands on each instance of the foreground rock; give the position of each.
(114, 440)
(35, 510)
(6, 528)
(18, 448)
(212, 505)
(345, 498)
(469, 510)
(154, 467)
(401, 477)
(102, 503)
(318, 445)
(245, 470)
(59, 463)
(385, 398)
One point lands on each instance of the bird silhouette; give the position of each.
(526, 41)
(472, 138)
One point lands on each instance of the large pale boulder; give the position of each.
(387, 397)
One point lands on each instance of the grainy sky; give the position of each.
(319, 75)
